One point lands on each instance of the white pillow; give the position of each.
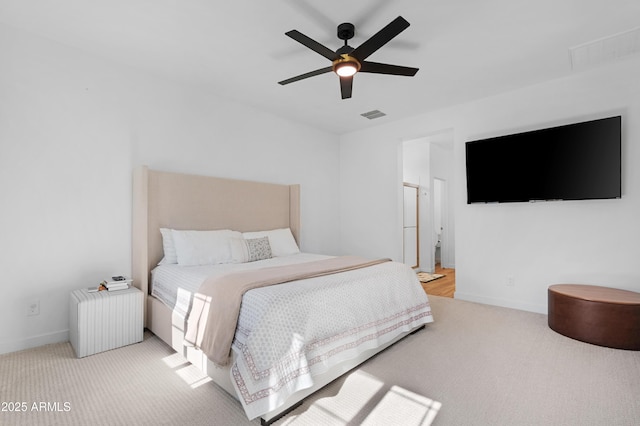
(168, 247)
(243, 251)
(281, 241)
(203, 247)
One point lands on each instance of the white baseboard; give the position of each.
(34, 341)
(505, 303)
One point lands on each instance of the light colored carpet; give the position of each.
(475, 365)
(425, 277)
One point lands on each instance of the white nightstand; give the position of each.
(105, 320)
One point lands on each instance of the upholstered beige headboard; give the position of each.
(181, 201)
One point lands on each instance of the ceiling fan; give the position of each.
(347, 61)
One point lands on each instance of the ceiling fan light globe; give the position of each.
(346, 69)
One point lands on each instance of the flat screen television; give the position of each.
(580, 161)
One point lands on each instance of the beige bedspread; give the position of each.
(213, 318)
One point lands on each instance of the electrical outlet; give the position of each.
(33, 308)
(511, 282)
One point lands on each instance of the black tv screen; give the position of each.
(580, 161)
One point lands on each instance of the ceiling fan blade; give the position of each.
(313, 45)
(346, 84)
(380, 38)
(306, 75)
(378, 68)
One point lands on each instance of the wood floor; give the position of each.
(445, 286)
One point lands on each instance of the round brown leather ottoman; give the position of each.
(600, 315)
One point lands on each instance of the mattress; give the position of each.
(175, 285)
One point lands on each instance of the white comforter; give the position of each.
(288, 333)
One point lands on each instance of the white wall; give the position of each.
(371, 194)
(415, 162)
(590, 242)
(73, 127)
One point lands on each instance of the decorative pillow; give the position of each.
(243, 250)
(168, 247)
(203, 247)
(281, 241)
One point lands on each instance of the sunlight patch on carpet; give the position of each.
(175, 360)
(403, 407)
(188, 372)
(341, 409)
(364, 399)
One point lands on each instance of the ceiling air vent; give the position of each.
(606, 49)
(373, 114)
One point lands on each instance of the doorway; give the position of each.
(427, 163)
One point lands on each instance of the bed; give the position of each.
(270, 368)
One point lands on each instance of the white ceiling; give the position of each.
(465, 49)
